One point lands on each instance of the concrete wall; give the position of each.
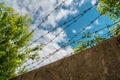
(98, 63)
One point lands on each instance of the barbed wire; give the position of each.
(66, 28)
(42, 21)
(76, 33)
(73, 20)
(65, 45)
(83, 29)
(45, 18)
(46, 57)
(71, 41)
(103, 36)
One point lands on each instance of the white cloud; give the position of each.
(38, 9)
(81, 3)
(69, 2)
(74, 31)
(93, 2)
(97, 22)
(88, 27)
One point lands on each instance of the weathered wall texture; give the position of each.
(98, 63)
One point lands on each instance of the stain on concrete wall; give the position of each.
(97, 63)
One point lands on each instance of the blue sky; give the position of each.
(38, 9)
(85, 20)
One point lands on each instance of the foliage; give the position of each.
(116, 30)
(110, 8)
(83, 45)
(13, 32)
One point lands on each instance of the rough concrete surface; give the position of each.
(97, 63)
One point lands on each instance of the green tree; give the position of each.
(110, 8)
(13, 32)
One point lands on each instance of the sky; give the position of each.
(39, 9)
